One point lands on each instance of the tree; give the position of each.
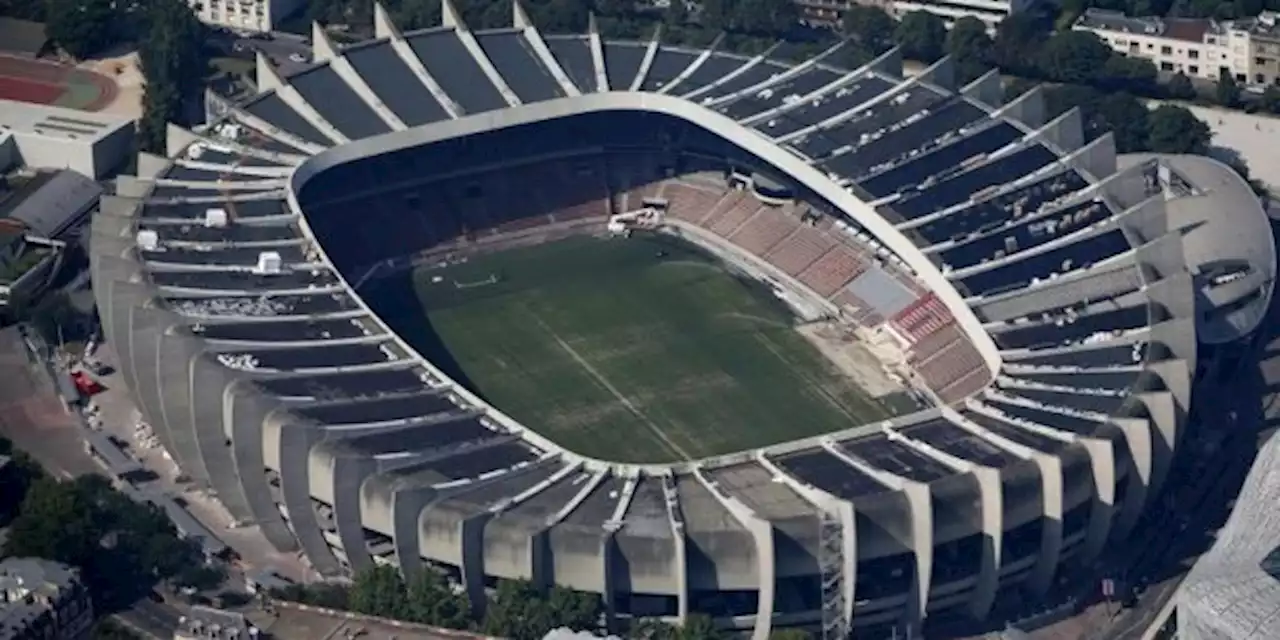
(516, 611)
(432, 601)
(326, 595)
(1270, 99)
(1134, 75)
(922, 36)
(1119, 113)
(122, 547)
(1018, 41)
(1174, 129)
(173, 64)
(411, 15)
(870, 27)
(16, 479)
(696, 627)
(1180, 87)
(1126, 117)
(1075, 57)
(970, 47)
(576, 610)
(380, 591)
(1227, 92)
(652, 629)
(82, 27)
(700, 627)
(52, 316)
(107, 629)
(677, 13)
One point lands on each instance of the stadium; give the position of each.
(610, 240)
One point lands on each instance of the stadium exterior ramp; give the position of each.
(1042, 293)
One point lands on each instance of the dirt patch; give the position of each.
(122, 84)
(851, 357)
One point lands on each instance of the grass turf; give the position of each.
(641, 350)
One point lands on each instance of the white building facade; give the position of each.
(244, 15)
(1201, 49)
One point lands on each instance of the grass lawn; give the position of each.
(634, 350)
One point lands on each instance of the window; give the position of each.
(1193, 70)
(1260, 61)
(1166, 66)
(1259, 78)
(1166, 51)
(1194, 54)
(1133, 48)
(1240, 77)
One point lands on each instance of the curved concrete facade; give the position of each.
(1061, 360)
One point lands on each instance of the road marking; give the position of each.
(602, 381)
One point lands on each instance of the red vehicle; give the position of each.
(86, 385)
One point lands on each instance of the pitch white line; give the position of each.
(604, 382)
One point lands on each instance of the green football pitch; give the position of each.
(641, 350)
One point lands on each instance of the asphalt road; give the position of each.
(278, 49)
(35, 420)
(151, 619)
(32, 416)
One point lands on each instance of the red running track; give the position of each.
(24, 90)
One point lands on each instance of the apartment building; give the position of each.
(1198, 48)
(244, 15)
(990, 12)
(1263, 35)
(41, 599)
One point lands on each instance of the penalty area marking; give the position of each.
(604, 382)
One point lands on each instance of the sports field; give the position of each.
(42, 82)
(634, 350)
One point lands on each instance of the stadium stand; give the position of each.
(993, 228)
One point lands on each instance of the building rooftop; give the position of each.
(1187, 29)
(1266, 23)
(58, 199)
(208, 622)
(22, 37)
(28, 587)
(57, 122)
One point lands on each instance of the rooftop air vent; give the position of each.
(215, 218)
(268, 263)
(148, 240)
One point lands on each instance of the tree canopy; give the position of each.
(922, 36)
(871, 27)
(174, 63)
(122, 547)
(1174, 129)
(971, 48)
(16, 479)
(1076, 57)
(518, 611)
